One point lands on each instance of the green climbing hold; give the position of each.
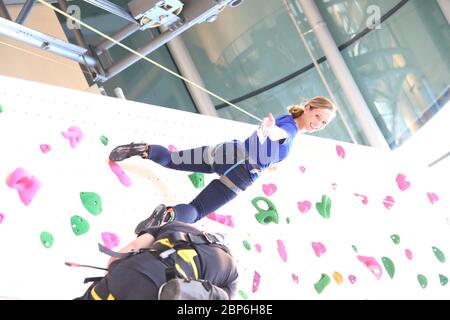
(47, 239)
(324, 207)
(389, 266)
(197, 179)
(243, 295)
(265, 216)
(322, 283)
(270, 204)
(422, 280)
(1, 108)
(439, 254)
(395, 238)
(246, 245)
(92, 202)
(104, 140)
(79, 225)
(288, 220)
(443, 280)
(354, 248)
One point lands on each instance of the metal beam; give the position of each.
(77, 35)
(343, 75)
(113, 8)
(439, 159)
(119, 93)
(445, 7)
(128, 30)
(12, 2)
(96, 71)
(48, 43)
(192, 17)
(187, 68)
(25, 11)
(4, 13)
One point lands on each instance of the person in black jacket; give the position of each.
(158, 254)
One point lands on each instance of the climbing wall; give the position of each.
(334, 221)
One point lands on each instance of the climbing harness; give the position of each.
(178, 253)
(242, 159)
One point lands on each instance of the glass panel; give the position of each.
(246, 48)
(238, 60)
(347, 18)
(403, 69)
(145, 82)
(297, 90)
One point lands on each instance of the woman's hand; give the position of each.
(268, 128)
(268, 121)
(264, 128)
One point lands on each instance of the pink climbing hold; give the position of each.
(373, 265)
(408, 254)
(282, 250)
(340, 151)
(433, 197)
(123, 178)
(2, 217)
(256, 281)
(110, 240)
(226, 220)
(45, 148)
(352, 279)
(319, 248)
(364, 198)
(74, 135)
(304, 206)
(401, 182)
(388, 202)
(269, 189)
(25, 184)
(258, 248)
(294, 278)
(172, 148)
(302, 169)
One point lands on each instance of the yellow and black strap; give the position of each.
(102, 294)
(185, 259)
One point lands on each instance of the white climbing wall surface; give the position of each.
(354, 222)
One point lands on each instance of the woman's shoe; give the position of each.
(160, 216)
(129, 150)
